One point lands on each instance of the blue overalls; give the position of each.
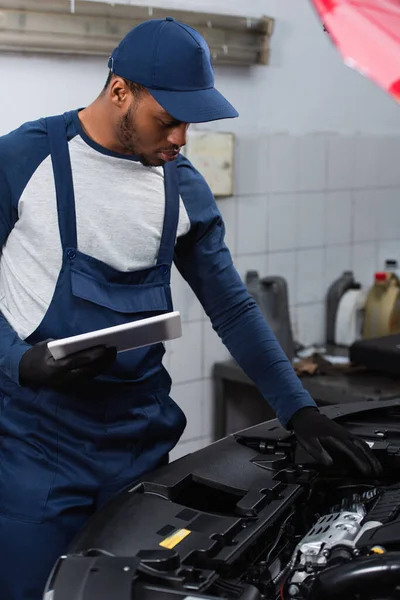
(62, 455)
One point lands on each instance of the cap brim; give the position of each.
(198, 106)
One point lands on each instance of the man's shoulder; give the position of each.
(187, 173)
(31, 136)
(29, 133)
(22, 150)
(193, 188)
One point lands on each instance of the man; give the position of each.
(95, 206)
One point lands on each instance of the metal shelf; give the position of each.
(95, 28)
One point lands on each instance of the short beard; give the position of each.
(128, 137)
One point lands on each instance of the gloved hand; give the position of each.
(328, 442)
(37, 366)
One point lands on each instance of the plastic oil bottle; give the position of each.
(335, 292)
(382, 307)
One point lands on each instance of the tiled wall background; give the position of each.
(306, 208)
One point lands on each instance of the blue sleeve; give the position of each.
(21, 152)
(205, 262)
(11, 346)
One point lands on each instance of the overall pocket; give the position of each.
(128, 299)
(103, 304)
(25, 481)
(167, 421)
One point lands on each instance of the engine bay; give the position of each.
(249, 517)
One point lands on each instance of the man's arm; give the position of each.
(11, 346)
(205, 262)
(21, 152)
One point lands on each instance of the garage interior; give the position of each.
(307, 181)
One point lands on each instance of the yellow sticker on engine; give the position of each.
(174, 539)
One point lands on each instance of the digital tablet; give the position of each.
(128, 336)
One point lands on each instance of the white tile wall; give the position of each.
(251, 164)
(252, 262)
(338, 217)
(310, 275)
(306, 208)
(366, 150)
(388, 162)
(284, 264)
(365, 262)
(228, 208)
(340, 162)
(337, 260)
(282, 222)
(190, 396)
(387, 208)
(208, 408)
(186, 354)
(311, 163)
(252, 224)
(388, 249)
(282, 163)
(366, 214)
(309, 319)
(310, 220)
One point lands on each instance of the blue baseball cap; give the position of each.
(172, 61)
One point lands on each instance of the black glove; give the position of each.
(328, 442)
(37, 366)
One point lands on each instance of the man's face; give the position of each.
(147, 130)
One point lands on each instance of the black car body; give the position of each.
(249, 517)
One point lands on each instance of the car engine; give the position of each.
(250, 517)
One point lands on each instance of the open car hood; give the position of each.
(248, 517)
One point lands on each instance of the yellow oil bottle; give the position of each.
(382, 307)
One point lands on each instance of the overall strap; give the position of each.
(171, 216)
(59, 151)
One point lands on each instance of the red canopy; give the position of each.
(367, 33)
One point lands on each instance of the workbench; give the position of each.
(238, 404)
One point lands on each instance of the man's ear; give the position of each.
(119, 92)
